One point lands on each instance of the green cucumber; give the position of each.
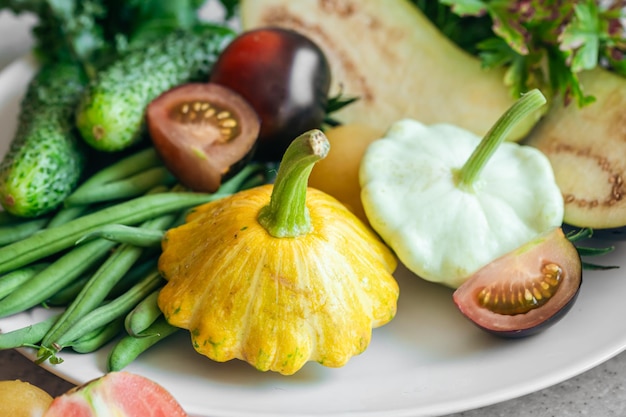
(45, 160)
(110, 115)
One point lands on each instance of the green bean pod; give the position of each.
(142, 267)
(128, 348)
(67, 294)
(110, 311)
(100, 284)
(124, 168)
(56, 276)
(99, 337)
(141, 317)
(66, 214)
(53, 240)
(130, 187)
(26, 336)
(12, 232)
(94, 291)
(15, 279)
(136, 236)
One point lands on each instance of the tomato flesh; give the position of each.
(520, 297)
(284, 76)
(204, 132)
(524, 291)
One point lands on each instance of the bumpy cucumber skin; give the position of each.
(111, 113)
(44, 161)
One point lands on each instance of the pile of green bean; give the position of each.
(95, 260)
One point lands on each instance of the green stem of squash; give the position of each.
(470, 171)
(286, 215)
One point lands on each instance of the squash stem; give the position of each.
(528, 103)
(286, 215)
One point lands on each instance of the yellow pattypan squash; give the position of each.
(280, 274)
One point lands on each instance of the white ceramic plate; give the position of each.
(428, 361)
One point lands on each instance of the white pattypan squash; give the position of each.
(449, 203)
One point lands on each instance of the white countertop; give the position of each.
(599, 392)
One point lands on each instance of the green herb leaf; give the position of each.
(549, 43)
(154, 18)
(336, 103)
(509, 28)
(577, 235)
(582, 36)
(596, 267)
(586, 251)
(466, 7)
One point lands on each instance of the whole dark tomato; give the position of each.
(284, 76)
(205, 133)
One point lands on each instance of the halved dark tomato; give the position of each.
(526, 290)
(205, 133)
